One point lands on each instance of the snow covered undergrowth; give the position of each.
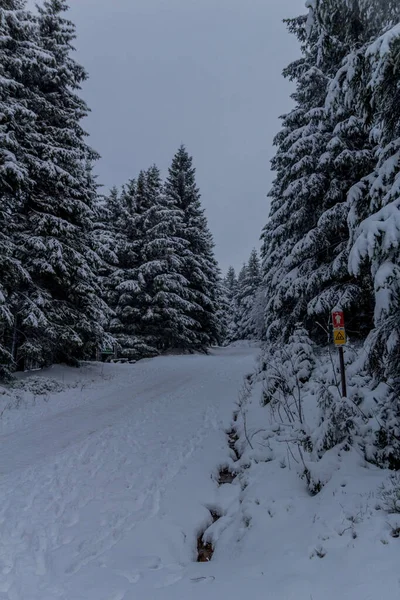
(339, 542)
(106, 484)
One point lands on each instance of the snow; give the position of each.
(379, 52)
(382, 45)
(339, 543)
(108, 474)
(311, 5)
(104, 484)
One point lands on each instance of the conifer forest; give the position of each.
(83, 268)
(159, 408)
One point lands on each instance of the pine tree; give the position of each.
(61, 314)
(20, 55)
(122, 285)
(376, 201)
(231, 317)
(340, 243)
(248, 298)
(108, 232)
(323, 150)
(200, 267)
(297, 189)
(148, 291)
(166, 304)
(240, 296)
(231, 283)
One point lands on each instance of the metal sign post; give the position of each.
(339, 337)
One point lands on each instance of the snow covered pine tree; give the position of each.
(200, 268)
(250, 300)
(333, 236)
(17, 50)
(321, 153)
(60, 313)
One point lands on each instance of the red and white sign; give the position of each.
(338, 319)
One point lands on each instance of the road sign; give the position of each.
(339, 337)
(338, 319)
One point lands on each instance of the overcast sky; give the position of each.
(206, 73)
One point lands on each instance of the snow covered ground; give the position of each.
(104, 484)
(109, 473)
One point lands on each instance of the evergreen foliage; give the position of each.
(168, 315)
(17, 127)
(246, 301)
(165, 289)
(56, 313)
(248, 294)
(62, 316)
(231, 292)
(134, 268)
(199, 267)
(332, 239)
(321, 154)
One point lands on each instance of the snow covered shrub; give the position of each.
(314, 484)
(286, 371)
(351, 420)
(337, 418)
(39, 386)
(389, 494)
(388, 435)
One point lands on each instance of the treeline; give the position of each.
(245, 301)
(78, 271)
(333, 236)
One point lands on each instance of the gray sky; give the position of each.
(206, 73)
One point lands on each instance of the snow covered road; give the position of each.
(104, 487)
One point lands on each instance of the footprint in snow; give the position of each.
(169, 580)
(209, 579)
(132, 578)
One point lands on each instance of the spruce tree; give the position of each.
(20, 59)
(297, 189)
(248, 298)
(240, 296)
(200, 268)
(231, 318)
(337, 164)
(375, 223)
(109, 239)
(108, 233)
(166, 298)
(148, 291)
(230, 283)
(136, 325)
(122, 284)
(323, 150)
(61, 313)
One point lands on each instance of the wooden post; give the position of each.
(343, 372)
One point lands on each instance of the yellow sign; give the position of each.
(339, 337)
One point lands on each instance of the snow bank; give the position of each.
(335, 542)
